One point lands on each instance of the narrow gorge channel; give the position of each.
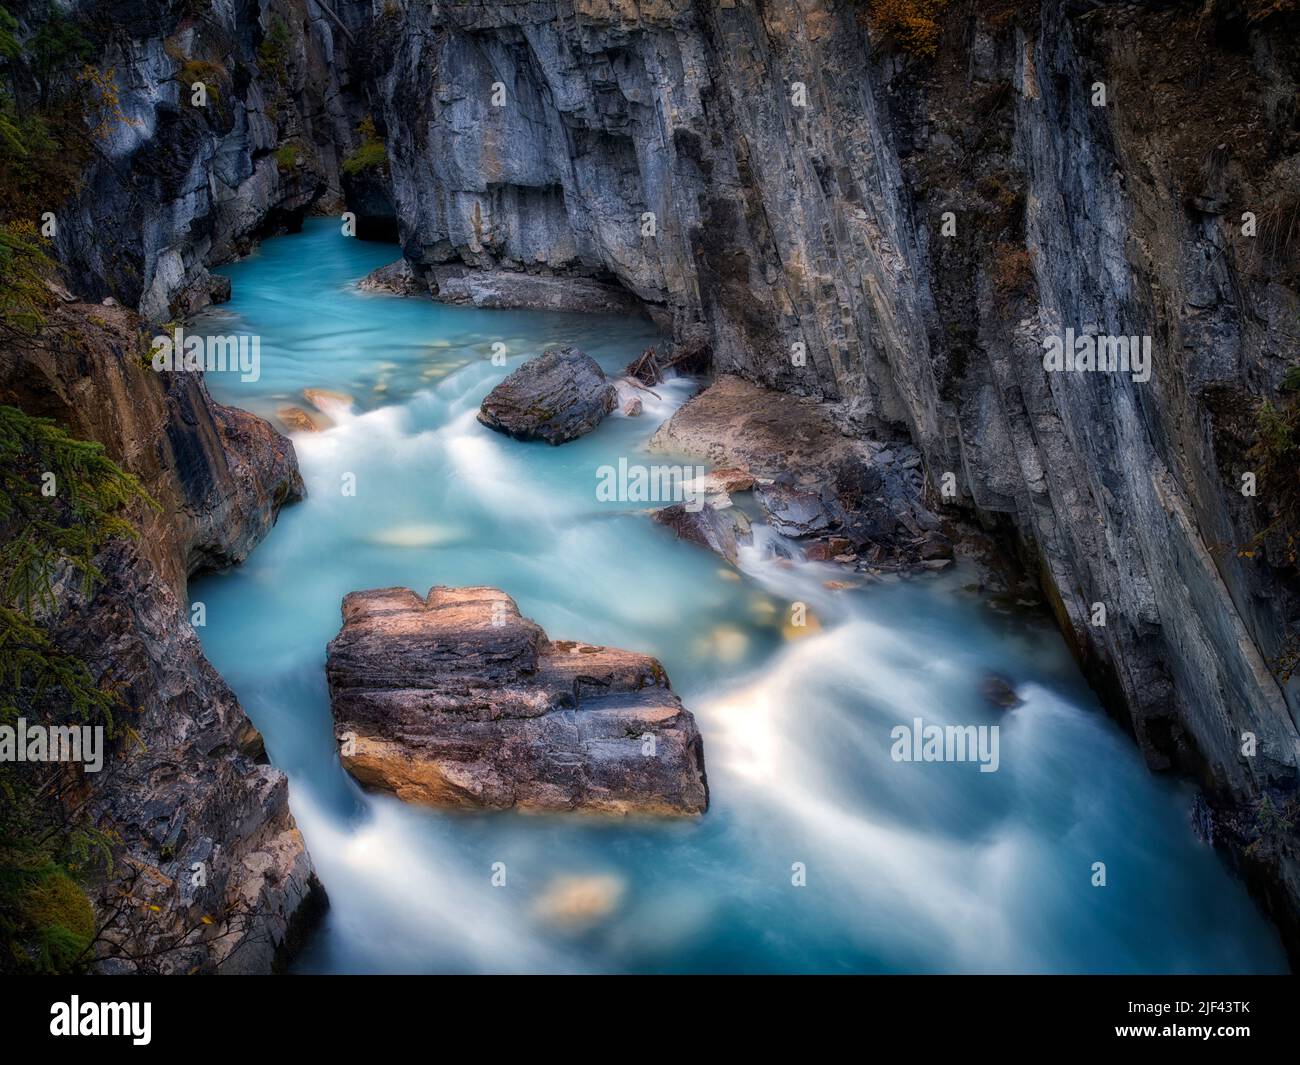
(908, 867)
(709, 486)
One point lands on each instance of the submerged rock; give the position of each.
(576, 903)
(557, 397)
(327, 400)
(457, 700)
(296, 420)
(999, 692)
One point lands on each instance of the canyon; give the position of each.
(886, 236)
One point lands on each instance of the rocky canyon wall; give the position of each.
(771, 172)
(177, 185)
(895, 235)
(208, 870)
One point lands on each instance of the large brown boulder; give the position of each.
(557, 397)
(457, 700)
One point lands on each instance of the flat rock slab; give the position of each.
(457, 700)
(736, 423)
(505, 289)
(810, 479)
(557, 397)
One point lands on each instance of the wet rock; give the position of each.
(632, 407)
(812, 480)
(201, 290)
(328, 401)
(793, 511)
(999, 692)
(556, 397)
(826, 550)
(936, 546)
(456, 700)
(720, 482)
(722, 529)
(503, 289)
(296, 420)
(395, 278)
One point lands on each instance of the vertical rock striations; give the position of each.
(891, 235)
(775, 173)
(180, 182)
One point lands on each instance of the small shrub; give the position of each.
(60, 920)
(273, 52)
(212, 75)
(370, 154)
(287, 157)
(912, 25)
(24, 267)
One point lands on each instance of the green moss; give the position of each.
(370, 154)
(273, 52)
(61, 921)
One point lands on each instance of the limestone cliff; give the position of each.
(797, 173)
(778, 174)
(181, 182)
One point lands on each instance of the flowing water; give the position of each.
(906, 866)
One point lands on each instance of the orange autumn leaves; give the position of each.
(913, 25)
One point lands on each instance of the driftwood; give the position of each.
(637, 384)
(645, 368)
(648, 370)
(338, 21)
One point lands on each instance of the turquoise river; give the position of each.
(909, 867)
